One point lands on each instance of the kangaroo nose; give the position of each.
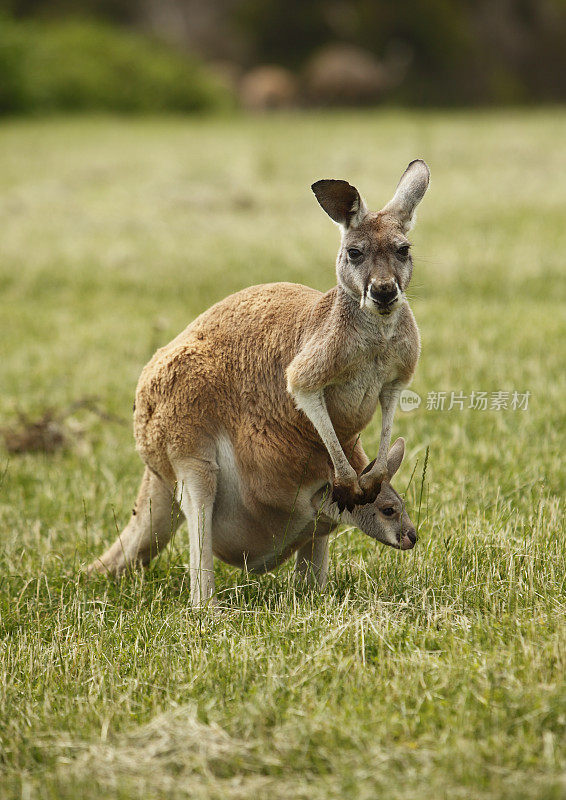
(383, 293)
(412, 534)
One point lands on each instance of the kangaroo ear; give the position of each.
(369, 466)
(409, 193)
(341, 202)
(395, 457)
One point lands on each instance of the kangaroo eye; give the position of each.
(388, 512)
(354, 253)
(403, 251)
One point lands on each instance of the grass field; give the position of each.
(430, 674)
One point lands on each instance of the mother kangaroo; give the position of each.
(249, 421)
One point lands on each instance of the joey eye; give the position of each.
(403, 252)
(388, 512)
(354, 253)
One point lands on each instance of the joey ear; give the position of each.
(369, 466)
(409, 193)
(395, 457)
(341, 201)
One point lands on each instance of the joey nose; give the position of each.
(408, 539)
(383, 293)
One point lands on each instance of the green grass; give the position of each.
(430, 674)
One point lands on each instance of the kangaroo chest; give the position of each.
(352, 401)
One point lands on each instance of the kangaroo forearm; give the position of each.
(388, 399)
(313, 406)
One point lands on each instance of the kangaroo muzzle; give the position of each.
(383, 294)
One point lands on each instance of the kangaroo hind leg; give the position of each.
(196, 492)
(311, 561)
(155, 518)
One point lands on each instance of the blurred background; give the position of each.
(194, 55)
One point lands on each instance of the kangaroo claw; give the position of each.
(370, 482)
(346, 496)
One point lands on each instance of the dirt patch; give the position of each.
(54, 429)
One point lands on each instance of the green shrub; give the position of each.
(77, 65)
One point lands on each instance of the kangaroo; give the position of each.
(249, 421)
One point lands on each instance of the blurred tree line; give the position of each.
(453, 51)
(460, 51)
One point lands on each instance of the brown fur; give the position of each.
(218, 376)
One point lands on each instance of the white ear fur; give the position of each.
(395, 457)
(359, 211)
(409, 193)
